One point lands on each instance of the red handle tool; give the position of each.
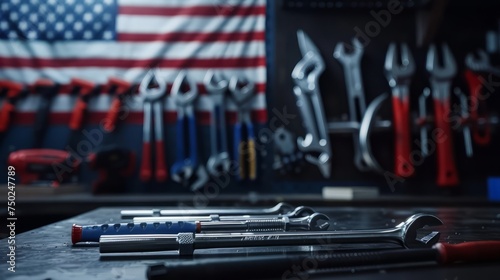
(481, 137)
(13, 91)
(161, 166)
(85, 89)
(401, 108)
(146, 170)
(447, 175)
(475, 251)
(121, 88)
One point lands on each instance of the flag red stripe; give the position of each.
(257, 36)
(203, 118)
(130, 63)
(212, 10)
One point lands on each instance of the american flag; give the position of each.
(98, 39)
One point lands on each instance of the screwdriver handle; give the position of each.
(468, 251)
(92, 233)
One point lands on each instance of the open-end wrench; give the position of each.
(91, 233)
(355, 92)
(242, 92)
(441, 80)
(404, 234)
(399, 77)
(218, 161)
(422, 115)
(184, 166)
(301, 211)
(153, 109)
(481, 63)
(316, 144)
(280, 208)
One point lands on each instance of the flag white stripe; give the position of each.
(218, 4)
(133, 75)
(130, 50)
(199, 24)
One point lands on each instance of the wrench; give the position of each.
(219, 159)
(298, 212)
(305, 75)
(355, 92)
(153, 109)
(475, 85)
(399, 77)
(280, 208)
(243, 97)
(404, 234)
(183, 168)
(422, 115)
(440, 80)
(464, 113)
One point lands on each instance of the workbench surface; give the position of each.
(47, 252)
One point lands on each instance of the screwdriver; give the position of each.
(92, 233)
(285, 266)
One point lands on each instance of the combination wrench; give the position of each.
(404, 234)
(355, 92)
(440, 80)
(399, 78)
(316, 144)
(218, 161)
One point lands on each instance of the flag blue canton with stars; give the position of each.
(57, 20)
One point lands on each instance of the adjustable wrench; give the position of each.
(184, 166)
(305, 75)
(440, 80)
(399, 77)
(404, 234)
(219, 159)
(355, 92)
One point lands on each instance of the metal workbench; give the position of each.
(47, 252)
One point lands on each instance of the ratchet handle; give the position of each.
(92, 233)
(403, 166)
(193, 146)
(146, 172)
(161, 167)
(468, 251)
(76, 120)
(252, 156)
(112, 116)
(476, 87)
(447, 175)
(5, 115)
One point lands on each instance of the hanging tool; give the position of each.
(355, 92)
(36, 165)
(280, 208)
(242, 92)
(440, 80)
(184, 166)
(404, 234)
(399, 77)
(298, 212)
(115, 164)
(219, 161)
(465, 123)
(473, 75)
(92, 233)
(153, 112)
(13, 91)
(316, 144)
(275, 266)
(287, 157)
